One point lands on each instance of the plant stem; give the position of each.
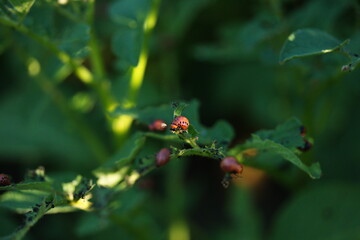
(203, 152)
(121, 125)
(32, 220)
(95, 53)
(191, 141)
(162, 137)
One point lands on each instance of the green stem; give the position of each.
(66, 13)
(173, 138)
(101, 84)
(277, 8)
(33, 218)
(95, 53)
(191, 141)
(138, 72)
(121, 125)
(203, 152)
(83, 73)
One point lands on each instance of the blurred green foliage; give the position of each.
(224, 54)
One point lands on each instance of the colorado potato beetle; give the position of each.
(180, 123)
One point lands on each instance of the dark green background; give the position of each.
(224, 54)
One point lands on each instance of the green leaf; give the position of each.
(307, 42)
(31, 126)
(83, 188)
(74, 40)
(41, 186)
(21, 200)
(287, 134)
(31, 218)
(126, 44)
(133, 112)
(126, 154)
(325, 211)
(192, 131)
(129, 12)
(239, 41)
(179, 108)
(146, 115)
(269, 146)
(221, 131)
(15, 9)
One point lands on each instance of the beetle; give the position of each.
(180, 123)
(4, 180)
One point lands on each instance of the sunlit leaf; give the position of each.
(15, 9)
(41, 186)
(307, 42)
(21, 200)
(32, 217)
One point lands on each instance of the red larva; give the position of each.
(158, 125)
(180, 123)
(163, 157)
(231, 165)
(4, 180)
